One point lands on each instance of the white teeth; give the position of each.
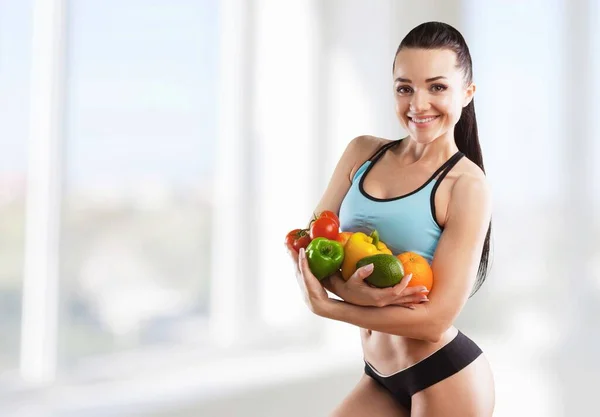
(429, 119)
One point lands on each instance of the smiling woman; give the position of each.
(430, 107)
(406, 88)
(425, 193)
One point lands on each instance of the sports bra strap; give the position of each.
(444, 169)
(448, 165)
(382, 150)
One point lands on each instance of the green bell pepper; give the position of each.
(324, 257)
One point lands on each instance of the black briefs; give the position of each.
(445, 362)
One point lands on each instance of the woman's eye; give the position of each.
(438, 88)
(403, 89)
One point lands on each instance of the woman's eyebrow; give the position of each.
(428, 80)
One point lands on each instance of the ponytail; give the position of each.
(467, 141)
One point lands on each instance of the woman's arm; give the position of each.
(358, 292)
(414, 323)
(340, 182)
(454, 266)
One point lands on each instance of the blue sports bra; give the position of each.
(405, 223)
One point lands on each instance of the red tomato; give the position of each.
(330, 215)
(324, 227)
(298, 238)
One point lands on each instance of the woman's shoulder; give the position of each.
(470, 170)
(362, 148)
(470, 176)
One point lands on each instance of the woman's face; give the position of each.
(430, 92)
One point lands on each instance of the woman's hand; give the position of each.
(359, 292)
(355, 291)
(315, 296)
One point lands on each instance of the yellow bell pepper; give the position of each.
(359, 246)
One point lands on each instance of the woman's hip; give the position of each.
(450, 359)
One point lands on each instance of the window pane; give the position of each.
(15, 38)
(140, 131)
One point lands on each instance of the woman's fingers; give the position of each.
(401, 286)
(411, 299)
(310, 280)
(399, 289)
(402, 292)
(303, 265)
(362, 273)
(314, 291)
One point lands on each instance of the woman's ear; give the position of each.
(469, 93)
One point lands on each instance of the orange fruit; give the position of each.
(415, 264)
(343, 237)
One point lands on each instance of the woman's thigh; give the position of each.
(369, 399)
(468, 393)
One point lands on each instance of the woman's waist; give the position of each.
(392, 353)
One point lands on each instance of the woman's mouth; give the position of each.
(423, 121)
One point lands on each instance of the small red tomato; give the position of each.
(298, 238)
(324, 227)
(330, 215)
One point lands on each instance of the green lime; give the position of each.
(387, 270)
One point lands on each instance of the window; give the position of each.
(139, 149)
(171, 208)
(15, 28)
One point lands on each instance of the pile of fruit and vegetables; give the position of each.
(329, 250)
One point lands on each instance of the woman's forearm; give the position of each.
(414, 323)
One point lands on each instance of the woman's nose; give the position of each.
(419, 102)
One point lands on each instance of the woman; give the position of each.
(425, 193)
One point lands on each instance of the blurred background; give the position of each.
(154, 153)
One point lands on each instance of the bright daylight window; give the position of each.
(15, 37)
(145, 104)
(140, 127)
